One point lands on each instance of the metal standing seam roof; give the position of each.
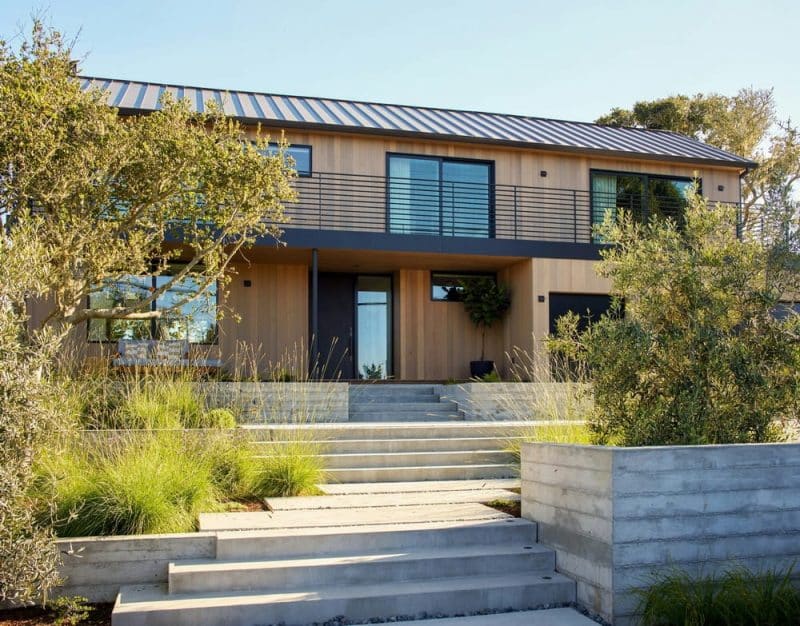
(435, 123)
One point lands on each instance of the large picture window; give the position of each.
(437, 196)
(449, 286)
(194, 321)
(645, 196)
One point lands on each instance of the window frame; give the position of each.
(303, 174)
(646, 177)
(154, 322)
(491, 213)
(465, 273)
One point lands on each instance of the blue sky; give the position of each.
(568, 59)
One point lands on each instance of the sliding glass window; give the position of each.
(644, 196)
(436, 196)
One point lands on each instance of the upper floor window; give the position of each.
(300, 157)
(438, 196)
(194, 321)
(643, 195)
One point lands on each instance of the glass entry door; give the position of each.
(373, 327)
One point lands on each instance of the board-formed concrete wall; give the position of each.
(616, 516)
(519, 400)
(302, 402)
(96, 567)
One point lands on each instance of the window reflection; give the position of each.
(373, 319)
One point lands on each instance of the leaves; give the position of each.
(699, 357)
(110, 195)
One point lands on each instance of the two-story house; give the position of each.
(398, 203)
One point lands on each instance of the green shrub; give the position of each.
(70, 610)
(233, 466)
(739, 597)
(163, 403)
(545, 432)
(699, 356)
(215, 418)
(291, 468)
(151, 484)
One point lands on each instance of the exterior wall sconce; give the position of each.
(720, 187)
(543, 173)
(540, 298)
(248, 283)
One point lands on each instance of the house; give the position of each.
(397, 204)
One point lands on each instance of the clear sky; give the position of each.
(568, 59)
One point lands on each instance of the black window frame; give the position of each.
(646, 178)
(440, 159)
(154, 322)
(466, 274)
(301, 174)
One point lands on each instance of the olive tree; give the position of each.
(89, 197)
(706, 351)
(116, 196)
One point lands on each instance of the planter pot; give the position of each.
(479, 369)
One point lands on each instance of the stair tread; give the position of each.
(414, 453)
(389, 499)
(417, 486)
(429, 525)
(431, 467)
(156, 597)
(395, 556)
(565, 616)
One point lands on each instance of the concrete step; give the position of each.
(327, 502)
(402, 407)
(388, 430)
(414, 459)
(357, 569)
(343, 446)
(298, 541)
(414, 473)
(564, 616)
(414, 416)
(153, 606)
(411, 488)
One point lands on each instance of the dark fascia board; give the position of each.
(742, 165)
(387, 242)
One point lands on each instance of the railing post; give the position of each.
(515, 212)
(574, 216)
(319, 201)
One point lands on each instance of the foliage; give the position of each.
(217, 418)
(739, 596)
(290, 468)
(373, 371)
(70, 610)
(486, 302)
(547, 432)
(136, 485)
(699, 357)
(103, 193)
(234, 467)
(745, 124)
(491, 377)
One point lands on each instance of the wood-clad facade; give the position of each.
(272, 303)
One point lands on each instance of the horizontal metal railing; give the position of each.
(356, 202)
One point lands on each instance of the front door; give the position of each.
(355, 327)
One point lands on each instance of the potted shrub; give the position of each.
(486, 302)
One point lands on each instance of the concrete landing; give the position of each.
(545, 617)
(390, 499)
(394, 515)
(420, 486)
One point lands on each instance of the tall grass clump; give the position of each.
(739, 596)
(136, 485)
(291, 465)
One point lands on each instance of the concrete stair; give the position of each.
(400, 403)
(303, 575)
(411, 451)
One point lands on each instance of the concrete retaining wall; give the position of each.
(281, 402)
(616, 516)
(519, 401)
(96, 567)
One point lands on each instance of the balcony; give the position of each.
(404, 206)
